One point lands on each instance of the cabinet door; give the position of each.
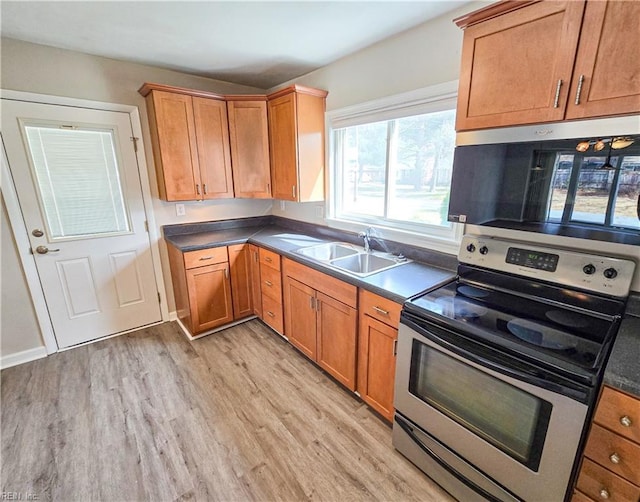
(282, 140)
(214, 158)
(249, 135)
(607, 65)
(337, 339)
(300, 316)
(256, 294)
(514, 65)
(240, 264)
(209, 296)
(377, 364)
(174, 141)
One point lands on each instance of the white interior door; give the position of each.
(77, 180)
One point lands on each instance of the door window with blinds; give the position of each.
(392, 165)
(77, 175)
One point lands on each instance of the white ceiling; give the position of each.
(261, 44)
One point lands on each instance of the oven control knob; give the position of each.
(471, 248)
(484, 250)
(610, 273)
(589, 269)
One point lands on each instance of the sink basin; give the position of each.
(364, 264)
(329, 251)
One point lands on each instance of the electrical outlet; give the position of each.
(180, 210)
(283, 206)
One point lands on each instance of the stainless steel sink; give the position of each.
(364, 264)
(329, 251)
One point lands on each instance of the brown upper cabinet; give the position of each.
(249, 135)
(190, 138)
(296, 139)
(526, 62)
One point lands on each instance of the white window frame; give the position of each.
(421, 101)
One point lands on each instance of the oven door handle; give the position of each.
(478, 489)
(574, 391)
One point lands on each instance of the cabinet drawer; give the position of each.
(203, 257)
(269, 258)
(580, 497)
(272, 313)
(620, 413)
(600, 483)
(271, 283)
(614, 452)
(335, 288)
(380, 308)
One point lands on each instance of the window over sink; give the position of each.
(391, 166)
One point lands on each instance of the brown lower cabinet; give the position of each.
(321, 321)
(377, 342)
(254, 272)
(203, 281)
(271, 289)
(610, 467)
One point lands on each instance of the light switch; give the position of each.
(180, 210)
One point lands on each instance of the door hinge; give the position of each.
(159, 298)
(135, 143)
(146, 226)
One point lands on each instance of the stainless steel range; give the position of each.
(498, 371)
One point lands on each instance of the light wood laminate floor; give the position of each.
(235, 416)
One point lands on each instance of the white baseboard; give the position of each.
(22, 357)
(173, 315)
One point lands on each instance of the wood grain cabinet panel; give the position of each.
(607, 68)
(272, 313)
(599, 483)
(297, 143)
(548, 61)
(256, 290)
(210, 297)
(619, 413)
(321, 319)
(617, 454)
(190, 138)
(271, 289)
(249, 136)
(241, 283)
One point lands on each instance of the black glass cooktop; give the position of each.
(546, 331)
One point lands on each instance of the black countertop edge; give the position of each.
(212, 226)
(633, 305)
(431, 257)
(623, 368)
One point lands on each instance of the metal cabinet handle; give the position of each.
(615, 458)
(556, 100)
(206, 258)
(604, 493)
(312, 303)
(625, 421)
(579, 90)
(268, 259)
(268, 188)
(197, 189)
(270, 314)
(204, 188)
(381, 311)
(226, 273)
(293, 191)
(256, 256)
(395, 347)
(45, 250)
(268, 283)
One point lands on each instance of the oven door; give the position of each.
(504, 429)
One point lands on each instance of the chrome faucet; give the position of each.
(366, 235)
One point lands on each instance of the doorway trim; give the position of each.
(19, 229)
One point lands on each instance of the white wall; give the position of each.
(45, 70)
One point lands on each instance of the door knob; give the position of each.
(37, 232)
(45, 250)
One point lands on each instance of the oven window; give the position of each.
(512, 420)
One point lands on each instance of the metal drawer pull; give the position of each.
(268, 259)
(556, 100)
(270, 314)
(381, 311)
(197, 189)
(206, 258)
(226, 273)
(625, 421)
(312, 303)
(604, 493)
(293, 191)
(268, 283)
(395, 347)
(615, 458)
(204, 188)
(579, 91)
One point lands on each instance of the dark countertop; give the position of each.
(396, 284)
(623, 368)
